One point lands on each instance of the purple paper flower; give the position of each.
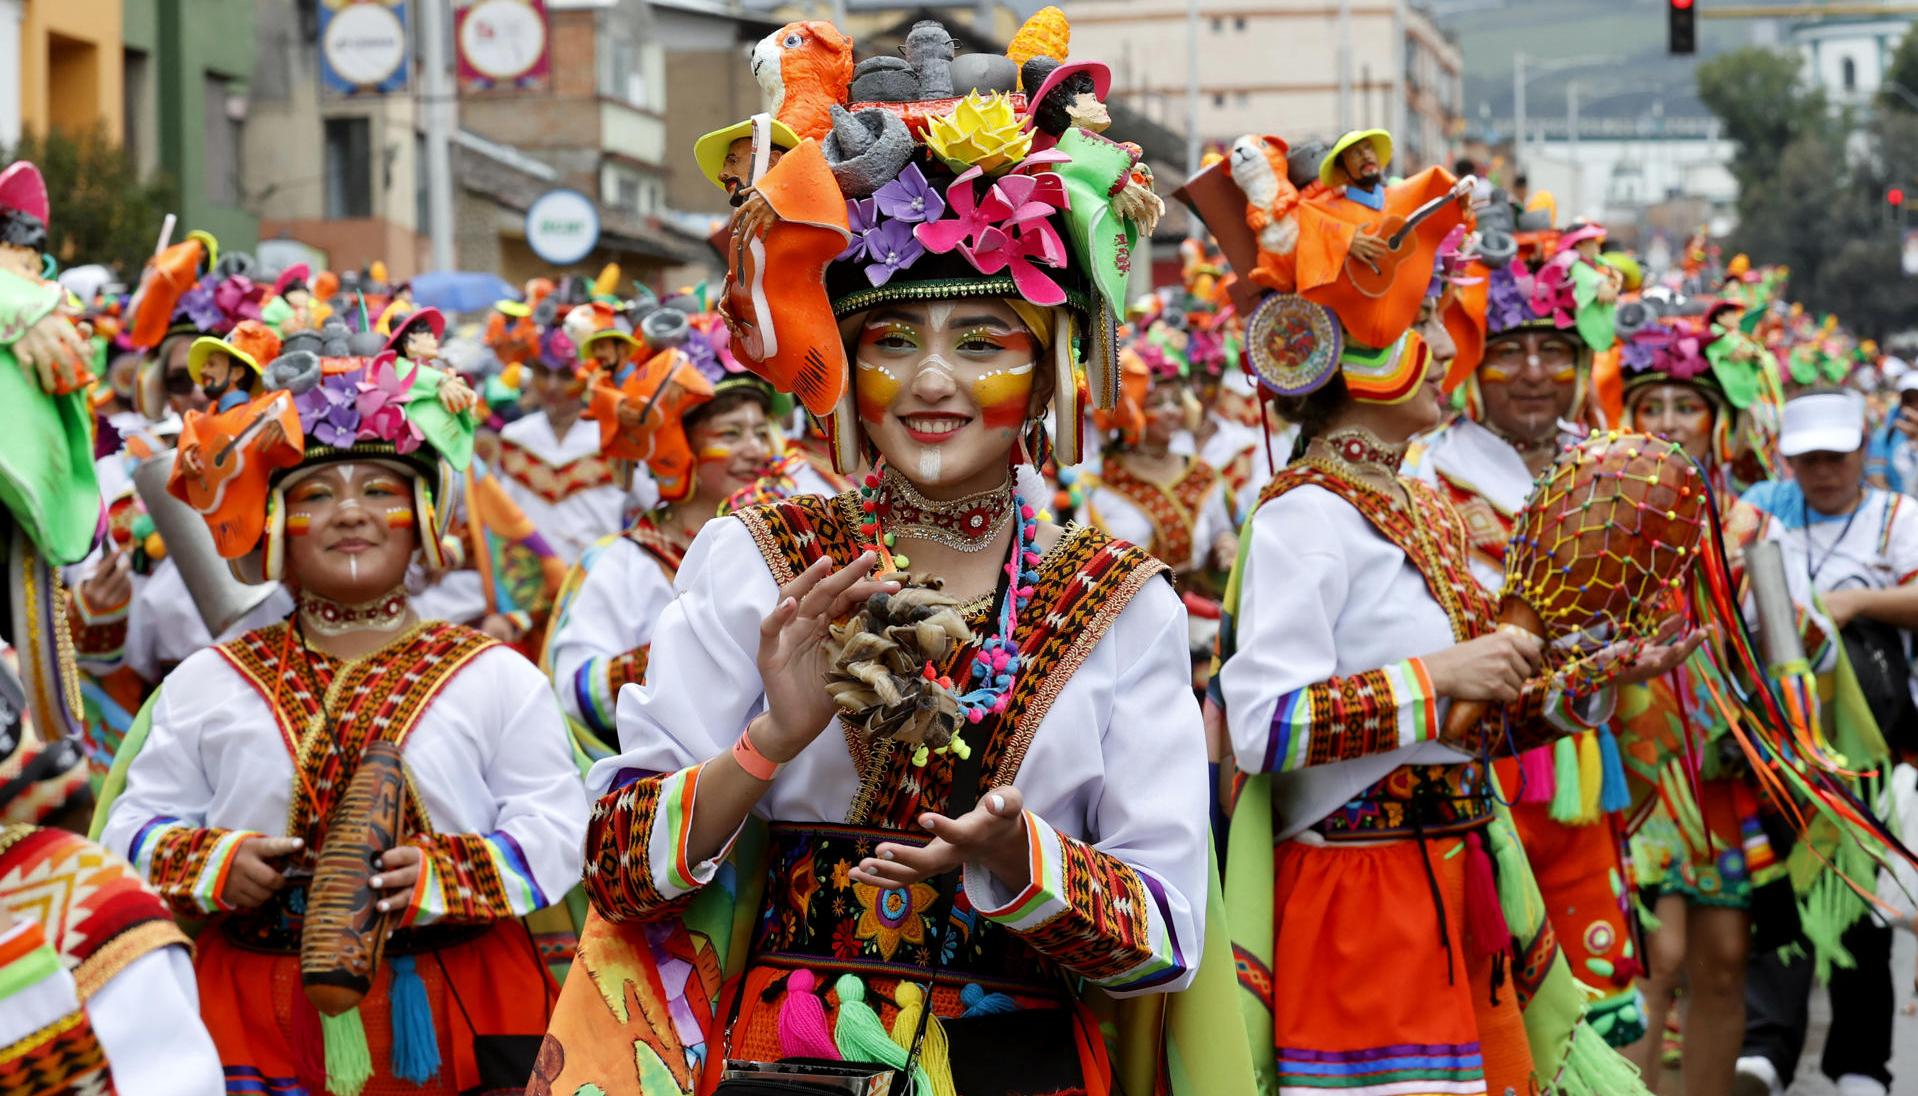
(1636, 355)
(327, 410)
(1508, 298)
(862, 216)
(890, 248)
(910, 198)
(200, 308)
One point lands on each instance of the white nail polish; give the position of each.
(998, 803)
(374, 882)
(885, 854)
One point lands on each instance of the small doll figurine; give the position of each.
(228, 369)
(40, 334)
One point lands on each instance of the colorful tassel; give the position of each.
(1535, 768)
(978, 1002)
(1591, 778)
(349, 1064)
(863, 1038)
(804, 1029)
(934, 1055)
(1486, 932)
(416, 1042)
(1564, 806)
(1616, 796)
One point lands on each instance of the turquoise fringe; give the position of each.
(416, 1042)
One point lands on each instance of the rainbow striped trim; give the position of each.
(521, 891)
(1409, 1069)
(187, 864)
(595, 700)
(674, 873)
(1388, 374)
(1401, 693)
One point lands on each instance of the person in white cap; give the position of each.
(1891, 460)
(1856, 548)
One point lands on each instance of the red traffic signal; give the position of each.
(1895, 195)
(1681, 26)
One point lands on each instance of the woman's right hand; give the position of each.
(792, 642)
(1490, 668)
(254, 874)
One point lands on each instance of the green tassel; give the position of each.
(349, 1064)
(863, 1038)
(1593, 1068)
(1565, 797)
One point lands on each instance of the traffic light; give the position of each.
(1682, 23)
(1896, 196)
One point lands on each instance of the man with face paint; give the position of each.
(1525, 397)
(242, 776)
(550, 460)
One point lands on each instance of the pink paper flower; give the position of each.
(1008, 228)
(382, 405)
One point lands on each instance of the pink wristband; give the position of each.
(757, 765)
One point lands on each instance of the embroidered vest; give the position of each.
(1173, 511)
(328, 712)
(1412, 798)
(554, 483)
(1084, 582)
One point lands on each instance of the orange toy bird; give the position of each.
(803, 69)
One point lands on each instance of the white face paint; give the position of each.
(929, 464)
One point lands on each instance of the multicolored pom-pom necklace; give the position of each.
(996, 664)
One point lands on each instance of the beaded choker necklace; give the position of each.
(1362, 449)
(987, 688)
(966, 524)
(325, 617)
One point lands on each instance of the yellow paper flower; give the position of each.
(982, 132)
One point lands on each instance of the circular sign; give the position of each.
(502, 39)
(562, 226)
(364, 44)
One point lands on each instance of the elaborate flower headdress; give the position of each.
(942, 181)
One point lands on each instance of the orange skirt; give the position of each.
(1372, 997)
(268, 1035)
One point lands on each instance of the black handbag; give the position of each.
(505, 1060)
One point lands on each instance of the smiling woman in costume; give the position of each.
(1022, 810)
(251, 763)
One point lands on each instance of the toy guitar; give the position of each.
(1377, 277)
(206, 487)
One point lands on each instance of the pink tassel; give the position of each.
(1537, 775)
(1486, 933)
(804, 1031)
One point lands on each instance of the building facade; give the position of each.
(1848, 56)
(1274, 68)
(66, 71)
(187, 97)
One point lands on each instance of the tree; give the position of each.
(102, 211)
(1765, 103)
(1900, 94)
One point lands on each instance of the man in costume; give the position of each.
(244, 767)
(1851, 550)
(550, 460)
(86, 952)
(940, 371)
(1524, 398)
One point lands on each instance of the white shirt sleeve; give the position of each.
(148, 1058)
(615, 609)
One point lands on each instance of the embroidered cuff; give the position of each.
(99, 635)
(472, 877)
(1087, 910)
(187, 864)
(1353, 716)
(596, 686)
(637, 862)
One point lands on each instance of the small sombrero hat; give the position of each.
(710, 150)
(250, 342)
(1381, 143)
(433, 318)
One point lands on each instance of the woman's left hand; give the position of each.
(399, 872)
(991, 835)
(1659, 659)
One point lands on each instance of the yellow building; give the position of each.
(69, 68)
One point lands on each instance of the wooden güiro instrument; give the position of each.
(1612, 530)
(345, 932)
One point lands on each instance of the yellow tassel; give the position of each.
(1045, 34)
(934, 1056)
(1591, 777)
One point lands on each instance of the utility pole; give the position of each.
(439, 104)
(1571, 146)
(1345, 66)
(1518, 112)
